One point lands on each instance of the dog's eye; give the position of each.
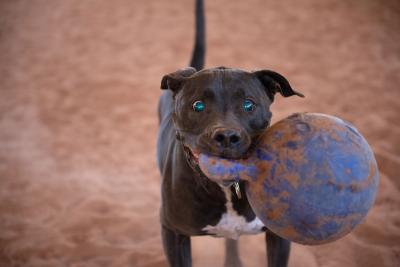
(199, 106)
(248, 105)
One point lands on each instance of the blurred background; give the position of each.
(79, 85)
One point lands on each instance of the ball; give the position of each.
(311, 179)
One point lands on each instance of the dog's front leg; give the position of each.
(177, 248)
(278, 250)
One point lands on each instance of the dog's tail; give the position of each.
(199, 49)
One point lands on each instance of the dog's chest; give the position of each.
(231, 224)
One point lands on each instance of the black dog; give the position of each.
(219, 111)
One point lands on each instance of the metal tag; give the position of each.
(237, 189)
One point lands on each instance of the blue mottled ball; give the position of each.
(312, 179)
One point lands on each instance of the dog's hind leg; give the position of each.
(177, 248)
(278, 250)
(232, 258)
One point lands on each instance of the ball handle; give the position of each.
(221, 170)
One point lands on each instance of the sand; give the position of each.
(79, 84)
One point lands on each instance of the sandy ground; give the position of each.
(79, 84)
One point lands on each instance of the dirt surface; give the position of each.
(79, 85)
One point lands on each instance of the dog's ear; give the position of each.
(175, 80)
(275, 83)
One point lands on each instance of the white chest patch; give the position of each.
(232, 225)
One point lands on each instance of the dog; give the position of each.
(218, 111)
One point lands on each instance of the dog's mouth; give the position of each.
(192, 157)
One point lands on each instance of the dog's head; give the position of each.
(222, 111)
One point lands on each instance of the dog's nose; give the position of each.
(226, 137)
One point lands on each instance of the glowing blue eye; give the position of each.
(199, 106)
(248, 105)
